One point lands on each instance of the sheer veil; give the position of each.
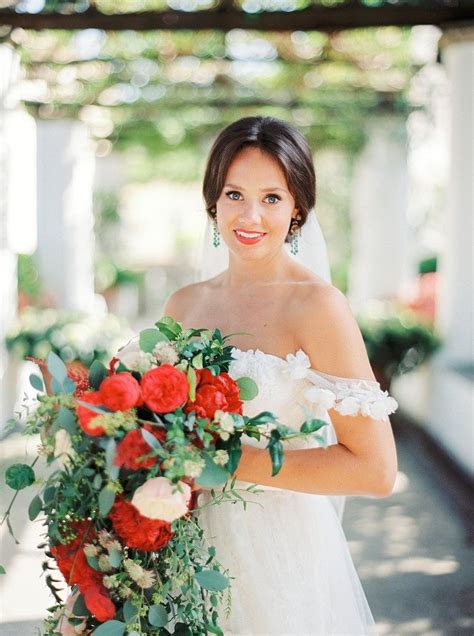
(312, 253)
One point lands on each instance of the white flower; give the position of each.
(225, 420)
(324, 398)
(166, 353)
(91, 550)
(63, 448)
(221, 457)
(155, 499)
(134, 358)
(298, 364)
(193, 468)
(224, 436)
(348, 406)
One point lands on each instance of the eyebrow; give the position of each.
(232, 185)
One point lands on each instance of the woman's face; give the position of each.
(255, 207)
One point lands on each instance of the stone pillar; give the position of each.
(9, 75)
(381, 251)
(451, 408)
(65, 254)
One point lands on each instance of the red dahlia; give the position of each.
(134, 446)
(138, 531)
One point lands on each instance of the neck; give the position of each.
(248, 273)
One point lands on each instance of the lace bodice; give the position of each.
(289, 385)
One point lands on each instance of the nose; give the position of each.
(250, 214)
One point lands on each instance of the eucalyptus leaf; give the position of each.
(150, 439)
(106, 501)
(80, 608)
(69, 386)
(110, 628)
(34, 508)
(248, 389)
(115, 559)
(67, 420)
(212, 580)
(110, 454)
(19, 476)
(130, 612)
(56, 386)
(36, 382)
(56, 367)
(97, 483)
(149, 338)
(97, 373)
(212, 474)
(158, 616)
(93, 562)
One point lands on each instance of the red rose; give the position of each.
(165, 388)
(213, 393)
(138, 531)
(120, 392)
(86, 416)
(133, 446)
(72, 564)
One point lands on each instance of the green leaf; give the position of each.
(158, 616)
(115, 559)
(36, 382)
(149, 339)
(106, 501)
(2, 570)
(97, 483)
(235, 453)
(34, 508)
(169, 327)
(130, 612)
(110, 453)
(212, 580)
(56, 386)
(93, 562)
(214, 629)
(97, 373)
(276, 453)
(247, 388)
(150, 439)
(212, 474)
(197, 361)
(56, 367)
(110, 628)
(192, 383)
(49, 494)
(309, 426)
(69, 386)
(80, 608)
(67, 420)
(19, 476)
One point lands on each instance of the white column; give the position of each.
(455, 315)
(381, 248)
(65, 254)
(9, 75)
(451, 409)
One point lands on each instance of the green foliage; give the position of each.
(28, 277)
(19, 476)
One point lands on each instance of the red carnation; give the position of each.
(164, 388)
(86, 416)
(120, 392)
(134, 446)
(72, 564)
(138, 531)
(213, 393)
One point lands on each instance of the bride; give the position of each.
(299, 340)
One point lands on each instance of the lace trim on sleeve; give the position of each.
(349, 396)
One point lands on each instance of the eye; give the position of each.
(231, 192)
(273, 196)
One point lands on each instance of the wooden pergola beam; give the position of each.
(224, 19)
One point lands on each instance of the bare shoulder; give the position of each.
(178, 303)
(329, 332)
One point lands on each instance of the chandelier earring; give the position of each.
(295, 232)
(215, 230)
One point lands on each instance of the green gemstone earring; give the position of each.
(215, 230)
(295, 231)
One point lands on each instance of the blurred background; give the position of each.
(107, 112)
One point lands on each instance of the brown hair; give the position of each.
(277, 138)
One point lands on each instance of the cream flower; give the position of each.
(155, 499)
(134, 358)
(166, 352)
(193, 468)
(221, 457)
(266, 428)
(225, 420)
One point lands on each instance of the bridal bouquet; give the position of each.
(128, 447)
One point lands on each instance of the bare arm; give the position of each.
(364, 461)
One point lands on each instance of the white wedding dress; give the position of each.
(293, 570)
